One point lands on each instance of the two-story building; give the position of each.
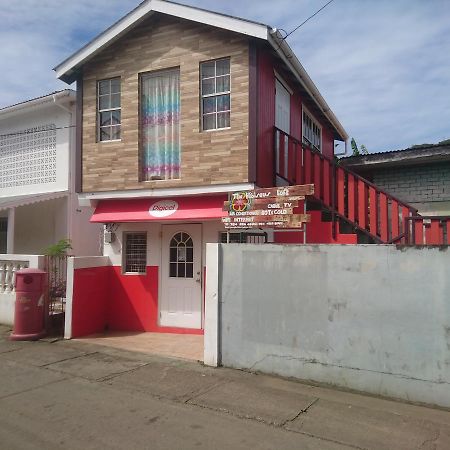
(177, 107)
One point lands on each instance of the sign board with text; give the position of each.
(268, 207)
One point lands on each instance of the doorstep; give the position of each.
(184, 346)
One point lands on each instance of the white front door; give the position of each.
(181, 286)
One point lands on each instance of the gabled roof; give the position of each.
(68, 69)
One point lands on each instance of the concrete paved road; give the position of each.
(73, 395)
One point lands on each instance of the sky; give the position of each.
(383, 66)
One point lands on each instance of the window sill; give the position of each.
(215, 129)
(107, 142)
(160, 181)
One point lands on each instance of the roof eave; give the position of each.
(283, 49)
(55, 97)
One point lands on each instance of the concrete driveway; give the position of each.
(78, 395)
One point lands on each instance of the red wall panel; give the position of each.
(133, 303)
(327, 142)
(104, 298)
(90, 300)
(266, 120)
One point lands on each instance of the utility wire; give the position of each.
(310, 17)
(31, 131)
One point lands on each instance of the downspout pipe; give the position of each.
(71, 163)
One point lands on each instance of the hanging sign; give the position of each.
(269, 207)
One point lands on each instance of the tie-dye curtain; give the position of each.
(160, 120)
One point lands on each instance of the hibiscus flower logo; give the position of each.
(240, 202)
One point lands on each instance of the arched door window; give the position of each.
(181, 259)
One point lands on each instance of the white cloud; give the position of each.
(382, 66)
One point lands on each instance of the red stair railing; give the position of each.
(428, 230)
(368, 208)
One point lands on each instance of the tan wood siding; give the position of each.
(161, 42)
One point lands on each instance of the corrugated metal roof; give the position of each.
(415, 149)
(22, 200)
(412, 155)
(35, 99)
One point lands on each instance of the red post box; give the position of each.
(29, 312)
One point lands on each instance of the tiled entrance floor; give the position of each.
(186, 346)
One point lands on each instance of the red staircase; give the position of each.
(373, 214)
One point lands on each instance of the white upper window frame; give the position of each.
(109, 109)
(305, 140)
(215, 95)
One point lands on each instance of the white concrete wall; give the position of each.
(35, 117)
(40, 225)
(86, 237)
(371, 318)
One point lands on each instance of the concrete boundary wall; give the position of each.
(373, 318)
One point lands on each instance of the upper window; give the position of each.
(109, 111)
(135, 255)
(215, 94)
(160, 125)
(312, 131)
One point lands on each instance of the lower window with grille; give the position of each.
(243, 238)
(135, 254)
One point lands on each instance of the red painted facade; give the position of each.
(104, 298)
(90, 300)
(317, 232)
(266, 118)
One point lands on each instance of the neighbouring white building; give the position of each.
(38, 204)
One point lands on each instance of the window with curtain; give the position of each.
(160, 125)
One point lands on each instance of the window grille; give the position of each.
(109, 109)
(28, 157)
(312, 132)
(135, 253)
(243, 238)
(215, 94)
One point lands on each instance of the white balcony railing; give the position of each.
(10, 264)
(8, 271)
